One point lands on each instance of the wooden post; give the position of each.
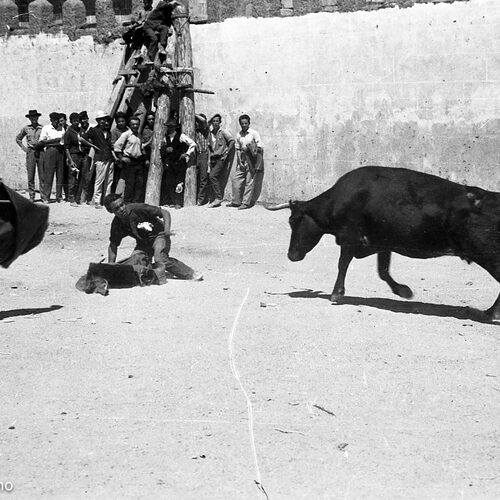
(162, 114)
(184, 58)
(153, 186)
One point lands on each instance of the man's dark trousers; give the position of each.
(217, 174)
(175, 174)
(53, 163)
(160, 249)
(74, 177)
(85, 187)
(202, 164)
(132, 173)
(153, 35)
(33, 161)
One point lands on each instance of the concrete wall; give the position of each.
(49, 73)
(416, 87)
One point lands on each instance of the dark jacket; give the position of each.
(102, 140)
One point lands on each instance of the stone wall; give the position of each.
(213, 11)
(328, 92)
(219, 10)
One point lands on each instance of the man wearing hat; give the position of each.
(176, 152)
(33, 160)
(104, 157)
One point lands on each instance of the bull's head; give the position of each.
(305, 231)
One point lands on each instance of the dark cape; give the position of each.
(22, 225)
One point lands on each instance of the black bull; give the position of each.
(379, 210)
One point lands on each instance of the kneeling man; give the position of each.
(150, 227)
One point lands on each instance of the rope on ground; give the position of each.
(236, 374)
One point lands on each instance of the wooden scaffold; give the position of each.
(138, 88)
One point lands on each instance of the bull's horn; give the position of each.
(281, 206)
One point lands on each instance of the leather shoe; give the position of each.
(232, 205)
(243, 207)
(214, 204)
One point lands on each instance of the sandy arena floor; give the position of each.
(134, 395)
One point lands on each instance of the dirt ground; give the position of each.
(135, 395)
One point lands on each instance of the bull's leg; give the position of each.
(346, 255)
(493, 312)
(384, 260)
(491, 263)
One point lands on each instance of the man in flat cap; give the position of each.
(26, 139)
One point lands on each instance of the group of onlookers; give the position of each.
(71, 153)
(88, 162)
(91, 162)
(216, 151)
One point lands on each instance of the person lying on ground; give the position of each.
(150, 227)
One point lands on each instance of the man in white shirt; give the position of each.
(128, 149)
(51, 138)
(247, 178)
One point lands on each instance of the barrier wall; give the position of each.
(328, 92)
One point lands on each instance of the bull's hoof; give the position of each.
(336, 298)
(404, 291)
(492, 315)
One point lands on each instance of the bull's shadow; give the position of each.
(400, 306)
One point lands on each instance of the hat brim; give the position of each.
(33, 115)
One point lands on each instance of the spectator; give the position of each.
(176, 151)
(116, 132)
(147, 140)
(33, 159)
(85, 188)
(51, 137)
(120, 126)
(104, 157)
(63, 121)
(128, 149)
(156, 27)
(247, 179)
(134, 37)
(75, 155)
(202, 131)
(221, 148)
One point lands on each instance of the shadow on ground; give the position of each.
(26, 312)
(399, 306)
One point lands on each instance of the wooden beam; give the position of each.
(155, 174)
(184, 59)
(162, 114)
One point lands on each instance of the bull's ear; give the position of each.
(293, 203)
